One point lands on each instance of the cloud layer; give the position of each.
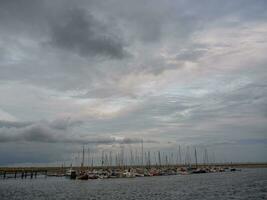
(119, 72)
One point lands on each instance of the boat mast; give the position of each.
(102, 158)
(82, 164)
(149, 161)
(110, 158)
(142, 152)
(159, 158)
(180, 155)
(196, 156)
(88, 157)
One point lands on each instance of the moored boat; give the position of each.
(71, 174)
(83, 176)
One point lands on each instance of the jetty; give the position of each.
(22, 173)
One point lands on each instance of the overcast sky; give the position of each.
(107, 73)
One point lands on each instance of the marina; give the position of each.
(129, 165)
(110, 172)
(133, 100)
(246, 184)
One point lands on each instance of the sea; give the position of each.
(245, 184)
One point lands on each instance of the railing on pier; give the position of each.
(21, 173)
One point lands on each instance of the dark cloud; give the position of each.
(42, 131)
(58, 131)
(60, 124)
(63, 124)
(11, 124)
(34, 132)
(80, 32)
(94, 29)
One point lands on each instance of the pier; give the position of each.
(22, 173)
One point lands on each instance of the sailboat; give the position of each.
(71, 173)
(198, 170)
(83, 174)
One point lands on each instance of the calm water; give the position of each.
(248, 184)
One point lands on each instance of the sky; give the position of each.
(110, 74)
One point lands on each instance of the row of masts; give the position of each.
(133, 157)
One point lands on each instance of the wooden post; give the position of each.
(4, 174)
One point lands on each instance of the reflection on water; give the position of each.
(247, 184)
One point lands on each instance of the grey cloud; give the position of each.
(190, 54)
(82, 33)
(11, 124)
(58, 56)
(58, 131)
(66, 27)
(140, 20)
(252, 141)
(156, 112)
(42, 131)
(34, 133)
(214, 10)
(188, 113)
(65, 123)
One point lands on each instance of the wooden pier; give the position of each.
(22, 173)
